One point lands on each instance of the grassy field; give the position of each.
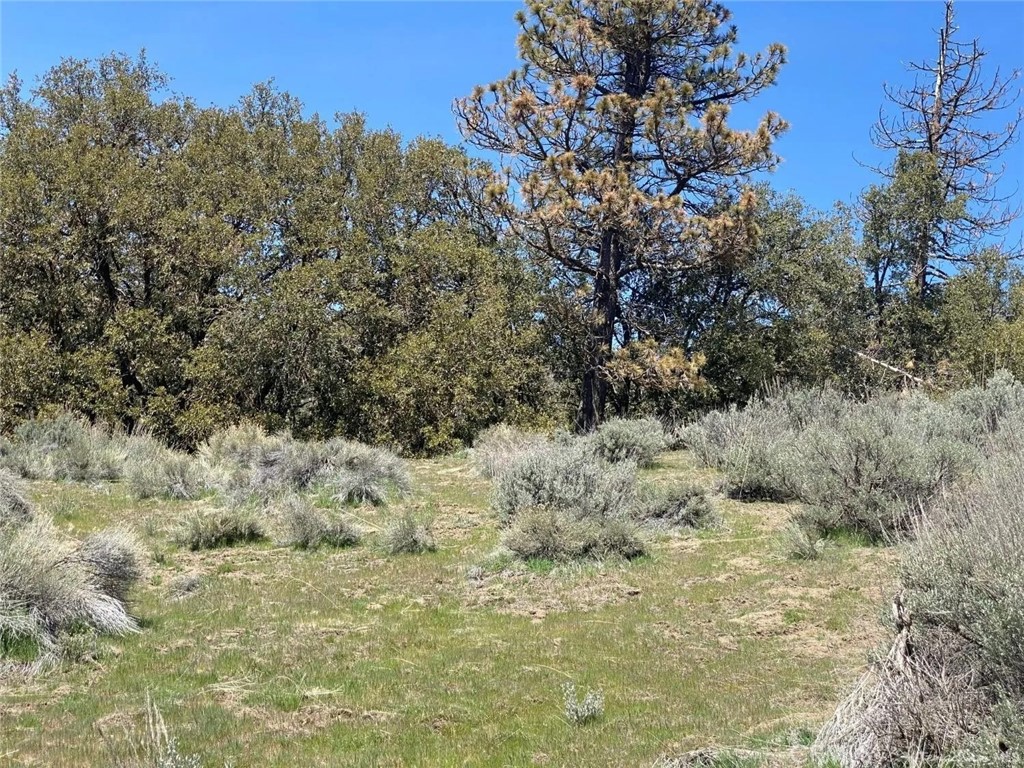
(350, 657)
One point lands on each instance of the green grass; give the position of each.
(350, 657)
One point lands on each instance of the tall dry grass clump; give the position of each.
(115, 558)
(51, 585)
(222, 527)
(65, 447)
(497, 447)
(248, 464)
(153, 470)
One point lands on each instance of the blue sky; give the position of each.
(402, 63)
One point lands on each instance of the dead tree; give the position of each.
(944, 114)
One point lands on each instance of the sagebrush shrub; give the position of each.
(116, 559)
(683, 505)
(753, 447)
(285, 464)
(965, 571)
(551, 534)
(566, 477)
(710, 436)
(985, 408)
(46, 588)
(65, 448)
(221, 527)
(638, 441)
(497, 447)
(869, 467)
(163, 473)
(582, 711)
(949, 691)
(14, 505)
(308, 527)
(876, 467)
(407, 534)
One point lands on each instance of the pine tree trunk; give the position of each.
(595, 385)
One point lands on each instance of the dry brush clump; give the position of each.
(155, 471)
(582, 711)
(950, 691)
(247, 463)
(51, 585)
(683, 506)
(222, 527)
(752, 447)
(151, 747)
(307, 527)
(408, 534)
(14, 505)
(116, 559)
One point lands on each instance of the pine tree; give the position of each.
(621, 159)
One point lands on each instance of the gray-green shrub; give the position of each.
(684, 505)
(638, 441)
(239, 446)
(950, 691)
(984, 408)
(880, 463)
(408, 534)
(221, 527)
(309, 528)
(567, 477)
(553, 534)
(869, 467)
(582, 711)
(802, 542)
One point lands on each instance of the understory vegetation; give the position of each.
(869, 467)
(944, 477)
(936, 476)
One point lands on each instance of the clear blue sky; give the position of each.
(402, 63)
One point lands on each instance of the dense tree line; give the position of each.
(180, 268)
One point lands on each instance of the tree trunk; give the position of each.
(606, 281)
(595, 386)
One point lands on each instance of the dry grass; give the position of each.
(352, 657)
